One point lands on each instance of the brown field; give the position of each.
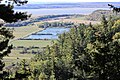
(80, 21)
(75, 20)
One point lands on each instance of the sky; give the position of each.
(46, 1)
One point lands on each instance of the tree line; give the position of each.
(87, 52)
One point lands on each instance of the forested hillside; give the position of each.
(87, 52)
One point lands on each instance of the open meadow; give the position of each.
(20, 32)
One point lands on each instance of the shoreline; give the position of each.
(58, 11)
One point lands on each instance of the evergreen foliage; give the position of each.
(7, 14)
(5, 49)
(85, 53)
(23, 70)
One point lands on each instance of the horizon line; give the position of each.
(67, 2)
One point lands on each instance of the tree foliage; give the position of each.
(5, 49)
(8, 15)
(87, 52)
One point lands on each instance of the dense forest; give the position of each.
(86, 52)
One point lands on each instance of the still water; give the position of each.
(59, 11)
(52, 33)
(48, 33)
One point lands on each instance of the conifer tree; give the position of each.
(85, 53)
(8, 15)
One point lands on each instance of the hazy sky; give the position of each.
(73, 1)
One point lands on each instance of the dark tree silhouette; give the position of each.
(115, 9)
(8, 15)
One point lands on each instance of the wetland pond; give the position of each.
(48, 33)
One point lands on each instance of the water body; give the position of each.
(59, 11)
(48, 33)
(52, 33)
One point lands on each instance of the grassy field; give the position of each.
(27, 43)
(15, 54)
(21, 32)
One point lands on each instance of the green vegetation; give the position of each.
(25, 51)
(21, 32)
(5, 49)
(85, 53)
(8, 15)
(24, 31)
(27, 43)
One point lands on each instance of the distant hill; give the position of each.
(69, 5)
(96, 15)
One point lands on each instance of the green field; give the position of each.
(27, 43)
(21, 32)
(15, 54)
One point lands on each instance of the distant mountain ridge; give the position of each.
(69, 5)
